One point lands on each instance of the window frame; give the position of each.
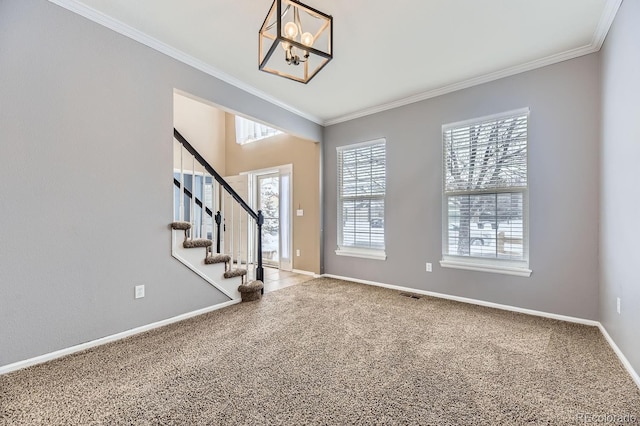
(359, 251)
(271, 131)
(476, 263)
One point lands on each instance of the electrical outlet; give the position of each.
(139, 291)
(429, 267)
(618, 304)
(298, 252)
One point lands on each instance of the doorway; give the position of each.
(268, 193)
(272, 193)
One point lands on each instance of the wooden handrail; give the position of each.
(258, 217)
(215, 174)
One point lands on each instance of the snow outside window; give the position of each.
(485, 194)
(361, 194)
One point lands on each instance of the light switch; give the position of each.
(139, 291)
(300, 212)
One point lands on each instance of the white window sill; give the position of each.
(362, 252)
(483, 267)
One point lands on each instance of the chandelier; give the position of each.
(296, 41)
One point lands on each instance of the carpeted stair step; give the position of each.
(181, 226)
(251, 291)
(217, 258)
(197, 243)
(237, 272)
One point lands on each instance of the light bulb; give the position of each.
(285, 45)
(307, 39)
(290, 30)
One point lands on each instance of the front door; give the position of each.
(273, 195)
(269, 203)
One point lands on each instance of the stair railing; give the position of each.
(217, 220)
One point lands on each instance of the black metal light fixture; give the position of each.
(296, 41)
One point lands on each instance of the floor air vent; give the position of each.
(411, 295)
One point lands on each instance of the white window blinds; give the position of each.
(487, 155)
(361, 193)
(485, 188)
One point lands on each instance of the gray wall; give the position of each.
(86, 119)
(620, 207)
(563, 173)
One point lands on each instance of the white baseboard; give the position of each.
(103, 340)
(299, 271)
(623, 359)
(77, 348)
(472, 301)
(616, 349)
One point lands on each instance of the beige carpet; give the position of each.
(337, 353)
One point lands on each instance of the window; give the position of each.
(187, 203)
(361, 191)
(250, 131)
(485, 194)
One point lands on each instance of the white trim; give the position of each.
(285, 168)
(253, 182)
(196, 270)
(497, 269)
(197, 173)
(301, 272)
(362, 253)
(118, 336)
(471, 301)
(497, 75)
(625, 362)
(599, 36)
(139, 36)
(492, 117)
(494, 265)
(606, 20)
(378, 141)
(108, 339)
(621, 356)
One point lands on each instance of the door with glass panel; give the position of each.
(273, 192)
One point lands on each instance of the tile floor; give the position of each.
(275, 279)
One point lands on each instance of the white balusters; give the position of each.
(223, 229)
(231, 252)
(216, 208)
(203, 209)
(208, 194)
(254, 246)
(240, 237)
(192, 212)
(181, 184)
(237, 230)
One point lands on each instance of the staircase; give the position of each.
(225, 247)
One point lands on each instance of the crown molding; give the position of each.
(143, 38)
(606, 20)
(507, 72)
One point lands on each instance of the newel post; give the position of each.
(260, 269)
(218, 218)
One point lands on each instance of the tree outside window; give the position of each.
(485, 188)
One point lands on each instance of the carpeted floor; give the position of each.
(336, 353)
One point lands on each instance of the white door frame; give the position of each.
(283, 170)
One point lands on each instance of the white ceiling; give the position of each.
(386, 53)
